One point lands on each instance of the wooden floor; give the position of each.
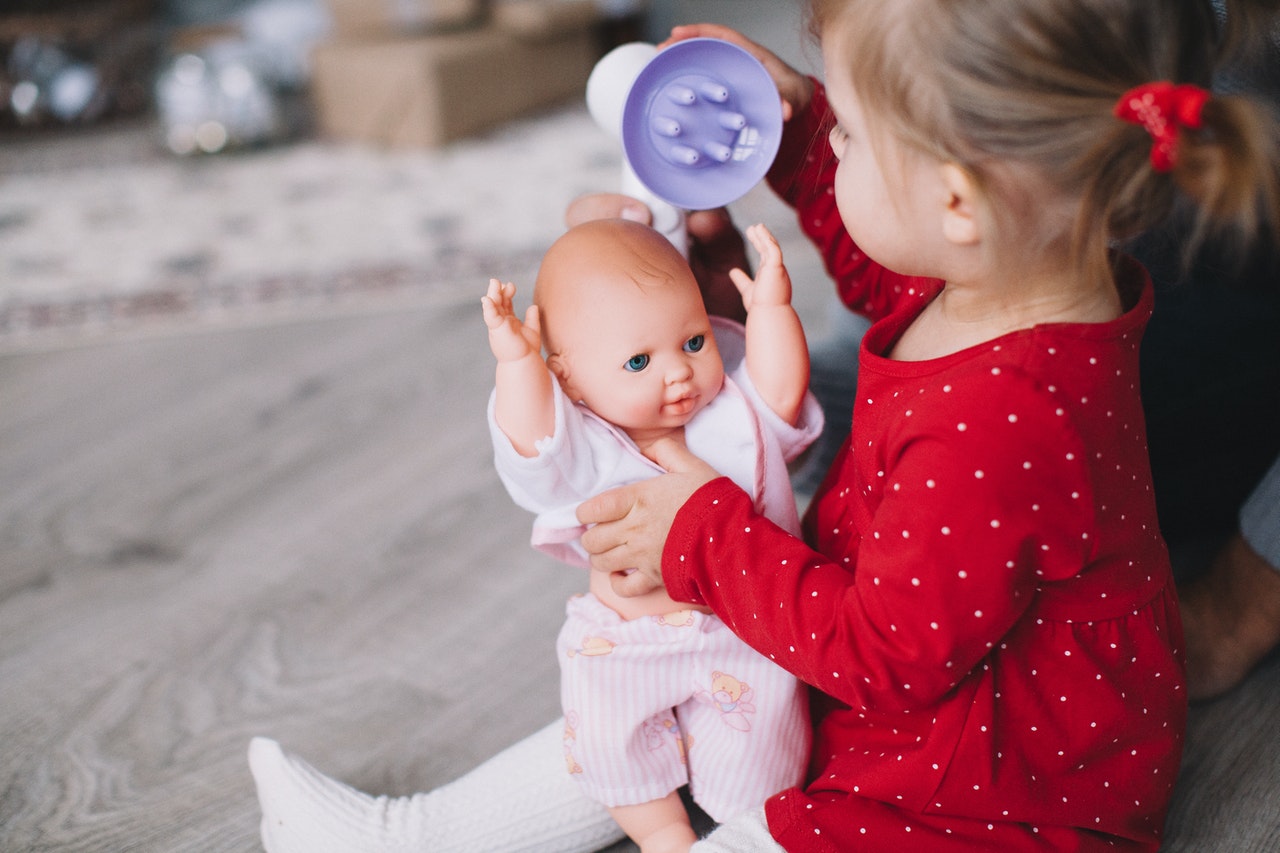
(295, 530)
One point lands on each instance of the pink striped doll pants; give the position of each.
(654, 703)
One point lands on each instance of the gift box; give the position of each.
(429, 90)
(543, 17)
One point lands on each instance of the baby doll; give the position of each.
(655, 693)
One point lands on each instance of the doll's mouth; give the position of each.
(683, 406)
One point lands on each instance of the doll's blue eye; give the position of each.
(637, 363)
(695, 343)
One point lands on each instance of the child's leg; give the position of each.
(659, 826)
(520, 800)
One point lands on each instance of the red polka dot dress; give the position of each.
(982, 600)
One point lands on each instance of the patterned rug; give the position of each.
(106, 233)
(103, 233)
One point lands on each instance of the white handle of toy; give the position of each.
(607, 90)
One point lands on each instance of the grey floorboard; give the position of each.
(291, 530)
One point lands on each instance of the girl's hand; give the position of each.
(631, 522)
(795, 89)
(772, 284)
(508, 338)
(715, 249)
(593, 206)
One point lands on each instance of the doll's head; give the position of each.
(625, 329)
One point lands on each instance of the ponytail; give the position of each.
(1220, 152)
(1230, 168)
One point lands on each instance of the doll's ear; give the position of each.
(560, 370)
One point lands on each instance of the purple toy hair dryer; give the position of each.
(700, 123)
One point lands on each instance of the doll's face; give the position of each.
(626, 330)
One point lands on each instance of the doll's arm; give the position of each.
(524, 405)
(777, 354)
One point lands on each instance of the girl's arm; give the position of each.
(892, 621)
(777, 354)
(892, 610)
(524, 406)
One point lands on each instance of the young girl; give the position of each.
(981, 596)
(656, 694)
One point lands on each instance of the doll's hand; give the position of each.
(772, 284)
(510, 339)
(795, 89)
(631, 522)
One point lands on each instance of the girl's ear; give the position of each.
(960, 222)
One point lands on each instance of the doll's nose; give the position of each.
(680, 371)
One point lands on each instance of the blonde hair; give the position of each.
(986, 83)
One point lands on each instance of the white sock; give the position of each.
(520, 801)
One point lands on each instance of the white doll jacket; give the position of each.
(736, 433)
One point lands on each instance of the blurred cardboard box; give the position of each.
(384, 17)
(429, 90)
(543, 17)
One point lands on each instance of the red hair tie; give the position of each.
(1163, 109)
